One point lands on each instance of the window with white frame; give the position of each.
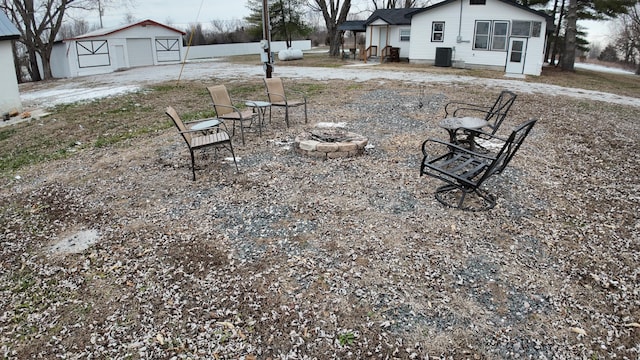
(405, 34)
(437, 31)
(481, 37)
(491, 35)
(499, 38)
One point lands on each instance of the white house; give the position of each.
(494, 34)
(9, 93)
(388, 28)
(107, 50)
(497, 34)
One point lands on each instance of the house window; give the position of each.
(405, 34)
(526, 28)
(477, 2)
(481, 37)
(491, 35)
(499, 38)
(437, 31)
(521, 28)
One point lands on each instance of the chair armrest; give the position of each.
(234, 108)
(482, 134)
(451, 107)
(457, 111)
(300, 93)
(282, 96)
(453, 146)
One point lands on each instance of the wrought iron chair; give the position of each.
(227, 111)
(494, 115)
(198, 139)
(277, 97)
(465, 171)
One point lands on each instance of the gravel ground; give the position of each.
(298, 258)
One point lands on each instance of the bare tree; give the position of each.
(39, 22)
(334, 13)
(628, 39)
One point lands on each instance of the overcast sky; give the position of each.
(182, 13)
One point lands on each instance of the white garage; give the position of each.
(102, 51)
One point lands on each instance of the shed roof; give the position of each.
(392, 16)
(113, 30)
(8, 31)
(353, 25)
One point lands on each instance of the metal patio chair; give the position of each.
(278, 97)
(465, 171)
(199, 139)
(494, 114)
(225, 109)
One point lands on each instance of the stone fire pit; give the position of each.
(330, 143)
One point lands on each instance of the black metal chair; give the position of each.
(465, 171)
(494, 115)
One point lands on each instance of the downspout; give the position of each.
(459, 38)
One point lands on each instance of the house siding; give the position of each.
(460, 19)
(9, 93)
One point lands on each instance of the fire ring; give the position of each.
(330, 143)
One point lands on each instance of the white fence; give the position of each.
(209, 51)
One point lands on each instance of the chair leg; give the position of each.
(286, 115)
(234, 156)
(487, 201)
(193, 165)
(241, 132)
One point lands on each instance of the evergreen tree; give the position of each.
(609, 54)
(285, 18)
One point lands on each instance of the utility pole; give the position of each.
(266, 42)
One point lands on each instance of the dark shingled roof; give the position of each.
(353, 25)
(393, 16)
(8, 31)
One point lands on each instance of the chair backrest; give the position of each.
(510, 147)
(173, 114)
(499, 110)
(275, 89)
(221, 99)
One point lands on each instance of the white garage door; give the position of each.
(140, 52)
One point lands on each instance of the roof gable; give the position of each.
(113, 30)
(507, 2)
(392, 16)
(8, 31)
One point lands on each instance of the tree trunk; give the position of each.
(16, 63)
(34, 71)
(569, 56)
(333, 15)
(547, 52)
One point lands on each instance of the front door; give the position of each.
(516, 55)
(382, 40)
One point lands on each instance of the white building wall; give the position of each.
(459, 32)
(219, 50)
(392, 38)
(9, 93)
